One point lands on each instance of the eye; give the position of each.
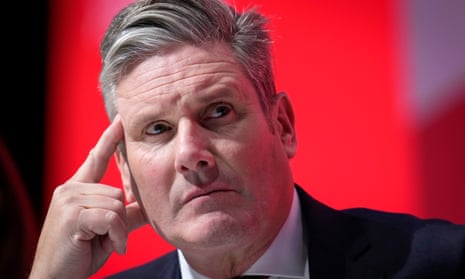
(218, 110)
(158, 128)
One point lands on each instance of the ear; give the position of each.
(123, 167)
(284, 123)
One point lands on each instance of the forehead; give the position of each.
(182, 69)
(184, 78)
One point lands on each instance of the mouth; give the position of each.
(205, 194)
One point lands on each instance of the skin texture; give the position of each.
(200, 151)
(202, 164)
(86, 220)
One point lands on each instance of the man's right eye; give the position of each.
(157, 128)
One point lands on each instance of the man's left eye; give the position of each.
(219, 110)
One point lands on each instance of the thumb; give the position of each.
(135, 216)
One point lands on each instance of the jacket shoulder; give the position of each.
(352, 243)
(436, 246)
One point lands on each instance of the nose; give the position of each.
(194, 159)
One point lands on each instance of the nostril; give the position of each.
(202, 163)
(203, 172)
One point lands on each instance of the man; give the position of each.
(203, 143)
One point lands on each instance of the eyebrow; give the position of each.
(148, 115)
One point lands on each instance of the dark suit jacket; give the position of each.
(360, 243)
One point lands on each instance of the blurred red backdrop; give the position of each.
(375, 129)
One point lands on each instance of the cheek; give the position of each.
(265, 159)
(255, 159)
(153, 176)
(150, 166)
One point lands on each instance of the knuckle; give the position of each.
(111, 217)
(118, 204)
(64, 193)
(60, 190)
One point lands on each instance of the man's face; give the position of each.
(202, 159)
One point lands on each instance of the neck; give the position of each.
(225, 263)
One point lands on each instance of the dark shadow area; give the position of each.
(24, 26)
(20, 228)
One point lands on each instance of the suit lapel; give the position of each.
(337, 243)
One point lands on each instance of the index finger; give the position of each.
(96, 163)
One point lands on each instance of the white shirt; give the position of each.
(285, 258)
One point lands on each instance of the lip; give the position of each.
(198, 193)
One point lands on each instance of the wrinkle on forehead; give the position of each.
(162, 86)
(181, 66)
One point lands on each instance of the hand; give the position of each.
(86, 220)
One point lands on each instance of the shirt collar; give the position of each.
(285, 258)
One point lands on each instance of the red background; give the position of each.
(342, 64)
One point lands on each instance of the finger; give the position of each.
(115, 203)
(105, 223)
(95, 165)
(135, 217)
(96, 189)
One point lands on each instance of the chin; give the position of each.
(213, 229)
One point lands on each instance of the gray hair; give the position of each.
(145, 28)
